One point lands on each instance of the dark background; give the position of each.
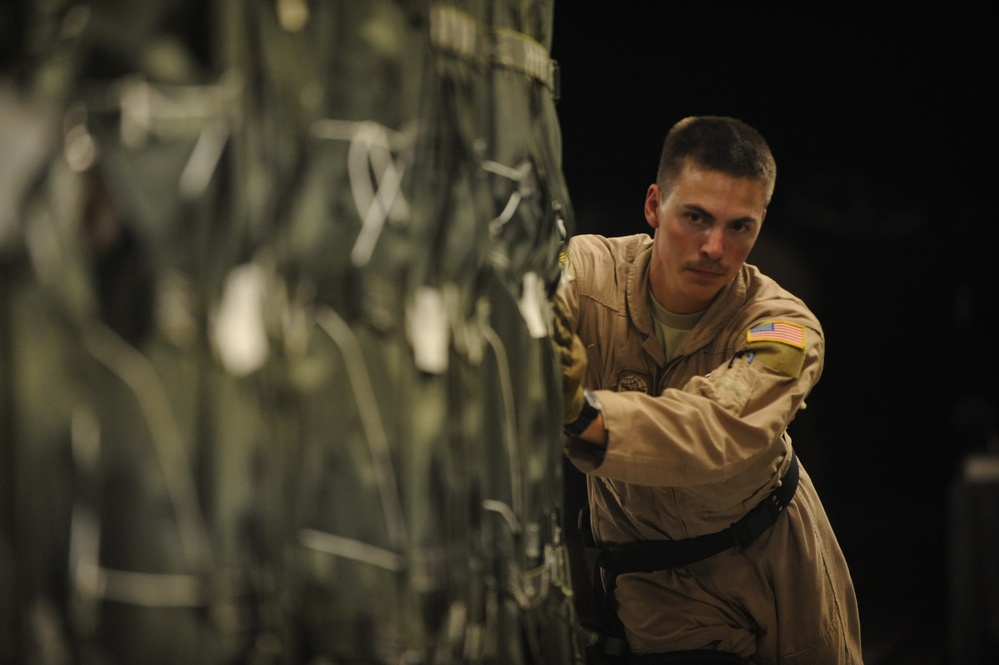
(883, 124)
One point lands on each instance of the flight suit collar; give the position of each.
(637, 294)
(721, 310)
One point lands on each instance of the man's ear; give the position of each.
(652, 206)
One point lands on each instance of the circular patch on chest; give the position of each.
(628, 380)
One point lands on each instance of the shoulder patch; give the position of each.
(782, 332)
(778, 356)
(568, 271)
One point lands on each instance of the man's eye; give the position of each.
(695, 217)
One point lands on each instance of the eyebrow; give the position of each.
(693, 207)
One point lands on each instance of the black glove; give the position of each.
(572, 356)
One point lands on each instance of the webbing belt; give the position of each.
(655, 555)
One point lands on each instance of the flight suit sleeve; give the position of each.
(567, 288)
(717, 425)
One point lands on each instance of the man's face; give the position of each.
(704, 230)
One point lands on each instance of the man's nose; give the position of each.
(713, 244)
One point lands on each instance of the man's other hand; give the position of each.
(572, 355)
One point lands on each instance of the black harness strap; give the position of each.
(655, 555)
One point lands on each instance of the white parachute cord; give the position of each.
(351, 548)
(524, 188)
(371, 421)
(137, 373)
(370, 155)
(510, 438)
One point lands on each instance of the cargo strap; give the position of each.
(657, 555)
(461, 35)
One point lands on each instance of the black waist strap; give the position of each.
(654, 555)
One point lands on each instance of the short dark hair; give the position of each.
(720, 144)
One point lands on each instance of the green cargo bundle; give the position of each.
(275, 377)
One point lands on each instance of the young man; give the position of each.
(683, 367)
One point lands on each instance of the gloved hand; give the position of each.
(572, 355)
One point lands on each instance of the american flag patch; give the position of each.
(778, 331)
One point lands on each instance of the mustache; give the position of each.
(707, 266)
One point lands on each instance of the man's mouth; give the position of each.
(712, 271)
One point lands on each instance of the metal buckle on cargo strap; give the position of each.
(460, 34)
(520, 52)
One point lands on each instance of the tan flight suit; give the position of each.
(695, 444)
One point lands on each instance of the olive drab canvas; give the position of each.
(275, 377)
